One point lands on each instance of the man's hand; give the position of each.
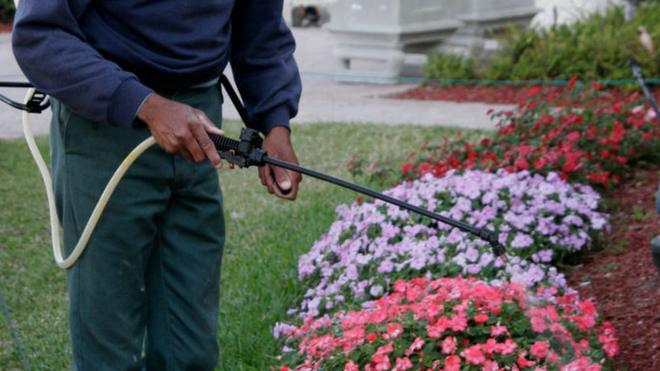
(280, 182)
(180, 129)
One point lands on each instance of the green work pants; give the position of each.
(145, 293)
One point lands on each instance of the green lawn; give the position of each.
(265, 238)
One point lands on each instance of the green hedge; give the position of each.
(6, 11)
(595, 48)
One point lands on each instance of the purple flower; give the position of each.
(534, 215)
(376, 291)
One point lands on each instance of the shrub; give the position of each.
(594, 48)
(447, 66)
(371, 245)
(454, 324)
(585, 136)
(7, 10)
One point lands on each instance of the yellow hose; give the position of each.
(98, 209)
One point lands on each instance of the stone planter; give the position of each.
(384, 30)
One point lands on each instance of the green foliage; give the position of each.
(594, 48)
(450, 67)
(7, 10)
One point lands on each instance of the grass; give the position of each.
(265, 237)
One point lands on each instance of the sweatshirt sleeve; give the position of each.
(53, 53)
(263, 65)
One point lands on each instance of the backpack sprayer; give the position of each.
(245, 152)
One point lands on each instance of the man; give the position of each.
(120, 71)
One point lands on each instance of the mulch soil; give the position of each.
(622, 278)
(487, 94)
(5, 27)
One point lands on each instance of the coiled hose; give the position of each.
(78, 250)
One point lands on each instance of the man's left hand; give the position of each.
(280, 182)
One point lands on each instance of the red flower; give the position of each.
(372, 337)
(425, 168)
(571, 83)
(540, 163)
(524, 363)
(521, 164)
(534, 91)
(617, 133)
(407, 168)
(599, 178)
(573, 136)
(481, 318)
(622, 160)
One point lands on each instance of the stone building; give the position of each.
(385, 31)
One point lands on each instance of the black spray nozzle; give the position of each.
(244, 152)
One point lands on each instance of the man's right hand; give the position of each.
(180, 129)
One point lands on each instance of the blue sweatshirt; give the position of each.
(103, 58)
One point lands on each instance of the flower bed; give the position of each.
(586, 137)
(454, 324)
(371, 245)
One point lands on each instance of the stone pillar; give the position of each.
(382, 31)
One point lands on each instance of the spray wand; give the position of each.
(247, 152)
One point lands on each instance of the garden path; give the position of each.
(324, 100)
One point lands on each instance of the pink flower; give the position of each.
(491, 366)
(435, 331)
(449, 345)
(402, 364)
(581, 364)
(508, 346)
(394, 330)
(351, 366)
(385, 349)
(458, 322)
(538, 324)
(490, 347)
(415, 346)
(539, 349)
(610, 345)
(474, 355)
(498, 330)
(452, 363)
(553, 357)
